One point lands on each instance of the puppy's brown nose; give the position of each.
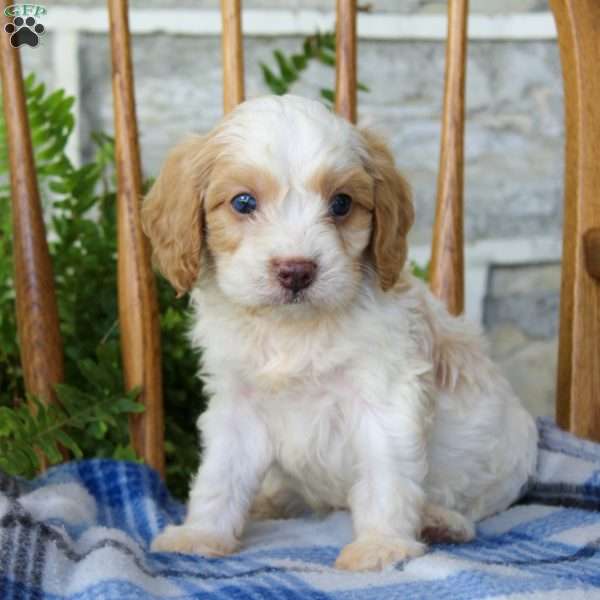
(295, 274)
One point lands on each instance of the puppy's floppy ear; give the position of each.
(172, 213)
(393, 213)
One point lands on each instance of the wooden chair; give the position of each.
(578, 391)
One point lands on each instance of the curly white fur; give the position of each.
(346, 396)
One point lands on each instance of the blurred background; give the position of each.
(514, 132)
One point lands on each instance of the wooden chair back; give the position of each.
(578, 392)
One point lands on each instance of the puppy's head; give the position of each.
(286, 202)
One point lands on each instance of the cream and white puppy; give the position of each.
(337, 380)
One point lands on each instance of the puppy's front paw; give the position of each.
(191, 540)
(376, 552)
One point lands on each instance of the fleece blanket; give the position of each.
(82, 531)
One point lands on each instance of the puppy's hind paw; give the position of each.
(373, 553)
(442, 525)
(191, 540)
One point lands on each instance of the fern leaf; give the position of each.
(326, 57)
(328, 95)
(320, 47)
(277, 86)
(35, 93)
(47, 427)
(128, 405)
(420, 271)
(308, 48)
(299, 61)
(96, 374)
(286, 68)
(69, 443)
(328, 40)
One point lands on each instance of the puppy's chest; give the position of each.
(311, 431)
(281, 361)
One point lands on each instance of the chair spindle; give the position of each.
(37, 313)
(447, 260)
(578, 375)
(233, 54)
(345, 50)
(138, 308)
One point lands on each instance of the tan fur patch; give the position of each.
(355, 182)
(224, 231)
(394, 212)
(172, 212)
(229, 179)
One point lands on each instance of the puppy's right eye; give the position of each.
(244, 203)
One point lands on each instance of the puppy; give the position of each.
(336, 379)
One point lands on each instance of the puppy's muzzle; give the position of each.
(295, 274)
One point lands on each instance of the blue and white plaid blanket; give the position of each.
(82, 531)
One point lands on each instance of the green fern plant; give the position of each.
(82, 242)
(318, 47)
(25, 433)
(93, 400)
(420, 271)
(51, 123)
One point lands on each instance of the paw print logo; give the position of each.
(24, 32)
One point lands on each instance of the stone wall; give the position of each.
(514, 139)
(521, 319)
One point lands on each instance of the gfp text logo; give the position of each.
(24, 29)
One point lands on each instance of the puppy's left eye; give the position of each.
(339, 205)
(244, 203)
